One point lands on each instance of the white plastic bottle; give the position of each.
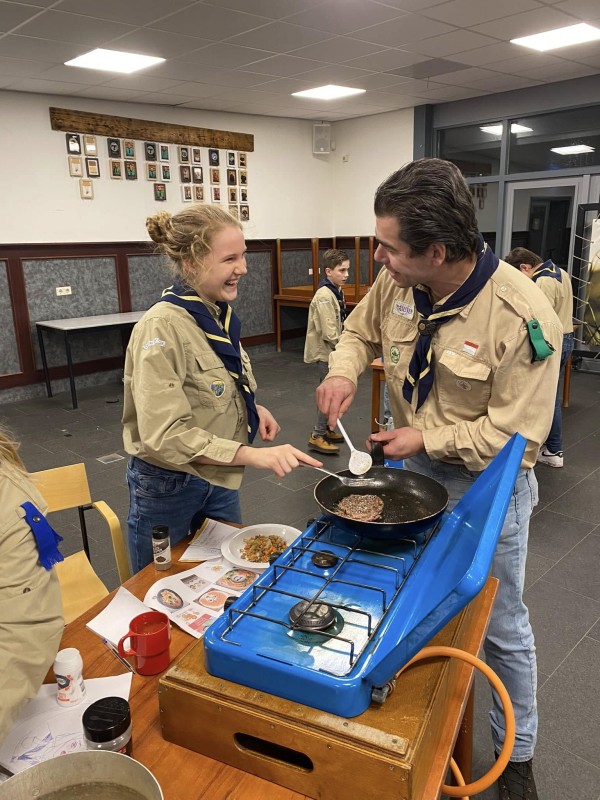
(68, 668)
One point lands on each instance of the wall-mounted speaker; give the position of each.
(322, 138)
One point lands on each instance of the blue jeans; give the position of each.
(509, 646)
(176, 499)
(554, 440)
(320, 428)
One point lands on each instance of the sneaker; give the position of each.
(517, 782)
(550, 459)
(319, 443)
(335, 437)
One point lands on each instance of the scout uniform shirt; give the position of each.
(324, 326)
(560, 295)
(180, 401)
(31, 617)
(485, 387)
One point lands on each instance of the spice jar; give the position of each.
(107, 725)
(67, 668)
(161, 547)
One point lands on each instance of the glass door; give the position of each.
(541, 216)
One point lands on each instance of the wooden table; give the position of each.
(183, 773)
(74, 325)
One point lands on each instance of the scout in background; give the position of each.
(556, 285)
(326, 316)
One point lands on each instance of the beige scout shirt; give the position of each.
(180, 400)
(31, 616)
(561, 298)
(324, 326)
(486, 387)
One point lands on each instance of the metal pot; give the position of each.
(411, 502)
(108, 772)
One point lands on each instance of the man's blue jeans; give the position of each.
(554, 441)
(176, 499)
(509, 646)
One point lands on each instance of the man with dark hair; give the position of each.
(468, 348)
(556, 285)
(326, 316)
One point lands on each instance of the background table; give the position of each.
(75, 325)
(183, 773)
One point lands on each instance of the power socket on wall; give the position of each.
(60, 290)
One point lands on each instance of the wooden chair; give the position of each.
(67, 487)
(80, 587)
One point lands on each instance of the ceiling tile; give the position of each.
(413, 5)
(165, 98)
(487, 55)
(285, 85)
(284, 66)
(450, 43)
(517, 25)
(225, 55)
(20, 68)
(13, 14)
(334, 73)
(562, 72)
(90, 77)
(195, 89)
(386, 60)
(280, 36)
(523, 64)
(38, 49)
(375, 80)
(112, 93)
(64, 27)
(356, 14)
(209, 21)
(451, 93)
(504, 83)
(133, 12)
(157, 43)
(466, 77)
(407, 29)
(274, 9)
(143, 82)
(466, 13)
(338, 50)
(46, 87)
(584, 9)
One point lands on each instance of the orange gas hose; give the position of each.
(467, 790)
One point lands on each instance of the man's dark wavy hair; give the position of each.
(432, 204)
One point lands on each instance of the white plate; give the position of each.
(231, 548)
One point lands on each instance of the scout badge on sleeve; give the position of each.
(540, 348)
(45, 536)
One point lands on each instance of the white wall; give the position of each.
(375, 146)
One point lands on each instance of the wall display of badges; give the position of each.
(215, 192)
(215, 176)
(243, 177)
(129, 148)
(232, 194)
(75, 167)
(230, 158)
(151, 172)
(185, 174)
(130, 171)
(184, 155)
(163, 152)
(86, 189)
(160, 192)
(245, 213)
(114, 148)
(186, 193)
(242, 160)
(213, 157)
(73, 143)
(234, 211)
(165, 172)
(199, 194)
(116, 169)
(150, 151)
(231, 177)
(92, 167)
(196, 155)
(243, 194)
(90, 146)
(197, 176)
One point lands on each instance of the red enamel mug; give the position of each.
(149, 641)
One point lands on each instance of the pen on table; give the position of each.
(116, 653)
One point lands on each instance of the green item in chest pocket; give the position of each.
(540, 348)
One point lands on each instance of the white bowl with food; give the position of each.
(251, 547)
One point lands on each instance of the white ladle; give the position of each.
(350, 482)
(360, 461)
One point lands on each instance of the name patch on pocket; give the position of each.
(402, 309)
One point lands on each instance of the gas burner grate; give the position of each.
(360, 587)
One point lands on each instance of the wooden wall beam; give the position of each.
(70, 121)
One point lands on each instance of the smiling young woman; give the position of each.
(189, 413)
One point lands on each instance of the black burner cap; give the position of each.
(324, 558)
(229, 601)
(308, 616)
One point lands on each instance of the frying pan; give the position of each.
(411, 502)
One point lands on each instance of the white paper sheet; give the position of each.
(206, 544)
(112, 623)
(44, 729)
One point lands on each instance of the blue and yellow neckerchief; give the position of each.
(224, 340)
(547, 270)
(421, 369)
(45, 536)
(339, 295)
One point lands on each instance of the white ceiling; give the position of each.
(248, 56)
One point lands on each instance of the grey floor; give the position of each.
(563, 587)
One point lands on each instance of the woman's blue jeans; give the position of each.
(554, 442)
(176, 499)
(509, 646)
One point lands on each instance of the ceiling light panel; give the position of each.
(113, 61)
